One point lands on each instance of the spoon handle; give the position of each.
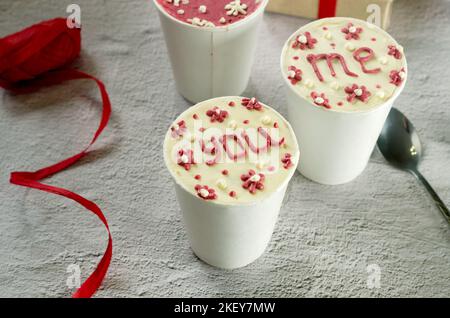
(439, 203)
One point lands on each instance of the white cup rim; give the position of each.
(397, 92)
(224, 28)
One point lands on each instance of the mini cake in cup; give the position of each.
(342, 76)
(211, 44)
(231, 159)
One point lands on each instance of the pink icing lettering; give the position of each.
(364, 59)
(314, 58)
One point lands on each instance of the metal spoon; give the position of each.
(400, 145)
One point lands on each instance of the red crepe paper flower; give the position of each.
(251, 103)
(304, 41)
(320, 100)
(352, 32)
(185, 159)
(397, 77)
(287, 161)
(357, 92)
(294, 74)
(216, 114)
(178, 129)
(253, 181)
(392, 50)
(205, 192)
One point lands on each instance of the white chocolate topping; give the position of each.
(240, 165)
(356, 65)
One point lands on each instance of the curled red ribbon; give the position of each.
(37, 57)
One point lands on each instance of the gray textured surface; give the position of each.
(326, 236)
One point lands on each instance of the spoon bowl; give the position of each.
(400, 145)
(399, 142)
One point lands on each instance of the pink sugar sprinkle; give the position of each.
(275, 125)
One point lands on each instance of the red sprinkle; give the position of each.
(232, 194)
(296, 58)
(246, 121)
(198, 177)
(201, 129)
(324, 28)
(231, 104)
(287, 161)
(195, 116)
(378, 86)
(275, 125)
(211, 192)
(374, 39)
(340, 103)
(225, 172)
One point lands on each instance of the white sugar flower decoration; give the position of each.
(235, 8)
(201, 22)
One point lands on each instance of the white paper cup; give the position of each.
(211, 62)
(335, 146)
(229, 237)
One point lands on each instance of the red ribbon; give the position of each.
(33, 58)
(327, 8)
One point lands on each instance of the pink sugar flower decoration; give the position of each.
(216, 114)
(287, 161)
(178, 129)
(251, 103)
(357, 92)
(352, 32)
(253, 181)
(320, 100)
(185, 159)
(304, 41)
(294, 74)
(392, 50)
(397, 77)
(205, 192)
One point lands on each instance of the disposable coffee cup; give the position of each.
(338, 119)
(211, 61)
(230, 196)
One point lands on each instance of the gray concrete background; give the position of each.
(326, 236)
